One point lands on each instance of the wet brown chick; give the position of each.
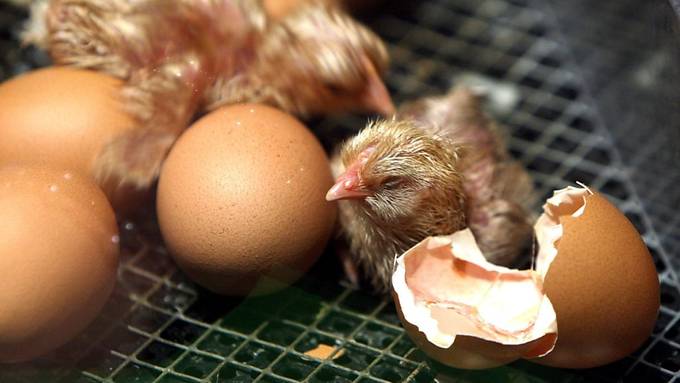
(178, 57)
(434, 169)
(316, 60)
(399, 184)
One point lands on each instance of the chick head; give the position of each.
(396, 172)
(332, 63)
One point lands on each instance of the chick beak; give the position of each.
(375, 97)
(347, 186)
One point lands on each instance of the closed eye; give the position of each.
(392, 182)
(335, 89)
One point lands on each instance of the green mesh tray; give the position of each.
(159, 327)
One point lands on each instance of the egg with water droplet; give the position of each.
(234, 207)
(57, 256)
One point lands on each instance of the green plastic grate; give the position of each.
(159, 327)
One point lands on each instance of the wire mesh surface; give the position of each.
(629, 54)
(159, 327)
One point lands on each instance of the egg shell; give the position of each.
(469, 352)
(595, 273)
(241, 199)
(466, 312)
(62, 117)
(58, 254)
(604, 288)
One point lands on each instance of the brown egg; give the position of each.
(241, 200)
(62, 117)
(602, 283)
(592, 298)
(59, 257)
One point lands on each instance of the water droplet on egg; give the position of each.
(115, 239)
(68, 176)
(54, 188)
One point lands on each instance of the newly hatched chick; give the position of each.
(179, 56)
(434, 169)
(396, 178)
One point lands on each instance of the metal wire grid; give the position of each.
(159, 327)
(629, 54)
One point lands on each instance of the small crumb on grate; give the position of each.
(324, 351)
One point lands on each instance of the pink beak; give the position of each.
(345, 188)
(375, 97)
(348, 185)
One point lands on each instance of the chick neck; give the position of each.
(376, 241)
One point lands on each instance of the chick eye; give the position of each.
(334, 88)
(392, 182)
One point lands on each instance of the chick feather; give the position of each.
(438, 166)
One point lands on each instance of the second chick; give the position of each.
(437, 167)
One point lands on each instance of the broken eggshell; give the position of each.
(599, 276)
(466, 312)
